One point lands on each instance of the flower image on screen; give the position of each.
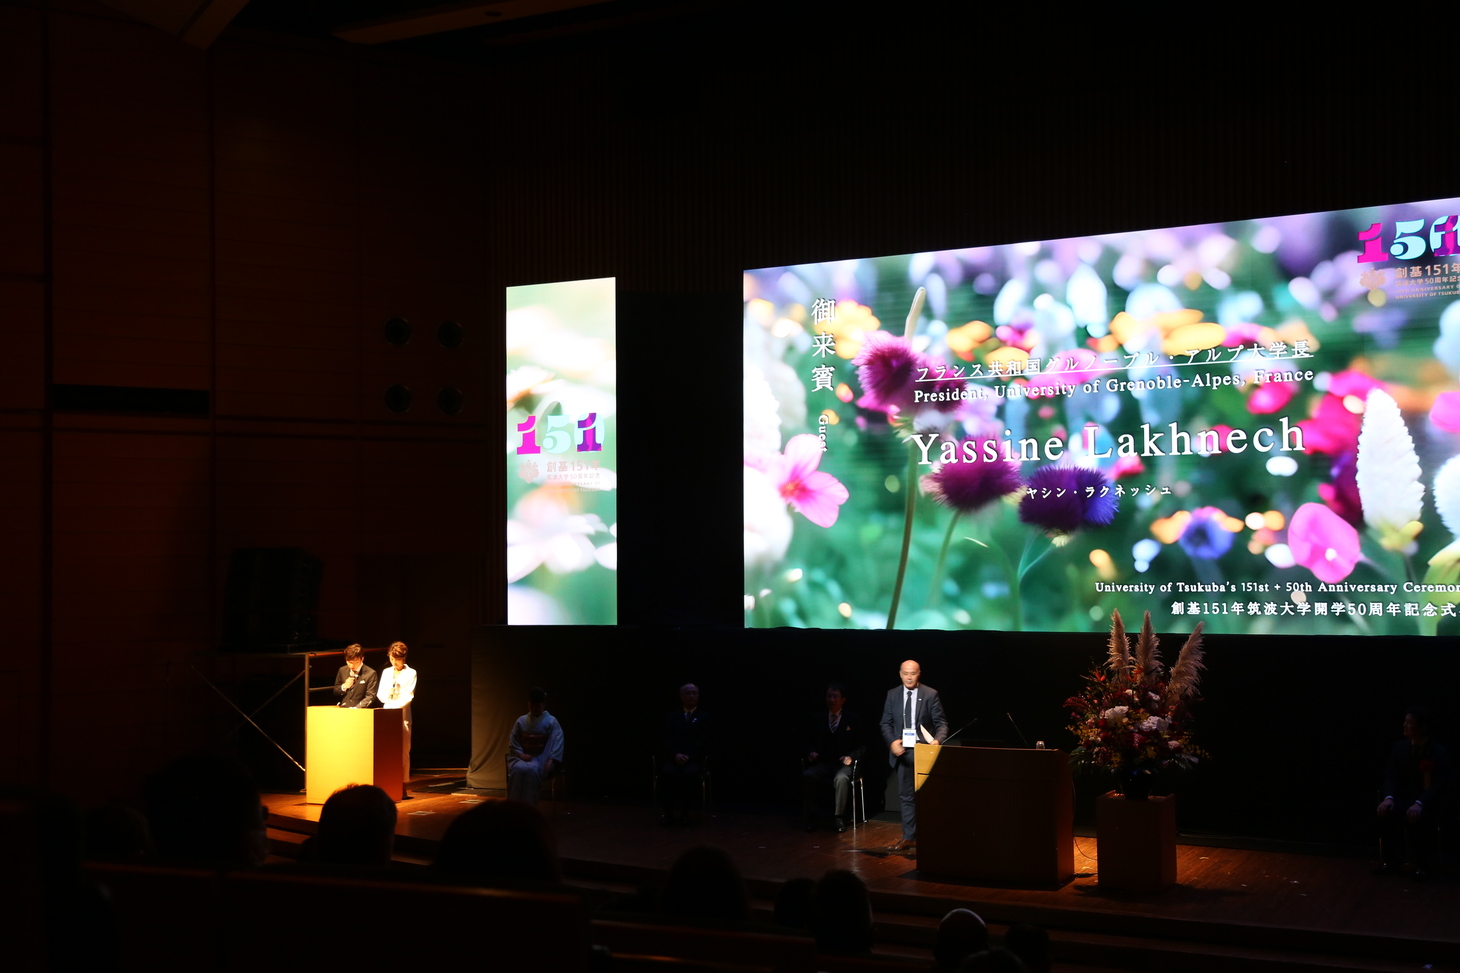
(1252, 424)
(562, 449)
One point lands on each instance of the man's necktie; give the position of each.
(907, 716)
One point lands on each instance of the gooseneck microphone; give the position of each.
(1017, 730)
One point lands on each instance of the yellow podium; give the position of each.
(352, 746)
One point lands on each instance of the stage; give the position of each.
(1231, 908)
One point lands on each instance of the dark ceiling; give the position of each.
(470, 31)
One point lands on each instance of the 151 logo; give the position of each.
(1408, 244)
(558, 434)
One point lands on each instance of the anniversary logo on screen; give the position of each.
(1253, 424)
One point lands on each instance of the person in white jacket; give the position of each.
(396, 690)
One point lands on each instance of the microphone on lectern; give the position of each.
(1017, 730)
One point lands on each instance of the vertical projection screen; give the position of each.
(562, 450)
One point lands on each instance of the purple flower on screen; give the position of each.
(888, 370)
(1342, 495)
(967, 487)
(1062, 499)
(1205, 536)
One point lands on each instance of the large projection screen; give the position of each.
(1252, 424)
(562, 454)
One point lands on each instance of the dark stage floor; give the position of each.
(1230, 908)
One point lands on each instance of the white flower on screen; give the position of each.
(1447, 345)
(1388, 475)
(1153, 724)
(546, 530)
(1447, 494)
(762, 412)
(607, 555)
(1115, 714)
(1445, 564)
(529, 380)
(767, 521)
(528, 606)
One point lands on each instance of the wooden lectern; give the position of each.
(352, 746)
(1137, 842)
(997, 817)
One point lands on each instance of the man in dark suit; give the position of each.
(684, 747)
(355, 682)
(912, 715)
(1415, 784)
(836, 741)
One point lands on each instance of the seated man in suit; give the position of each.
(355, 682)
(836, 741)
(536, 749)
(684, 746)
(912, 715)
(1415, 784)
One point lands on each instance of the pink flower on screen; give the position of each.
(1242, 335)
(1019, 333)
(1074, 367)
(1334, 428)
(816, 495)
(1269, 397)
(1445, 413)
(1323, 542)
(1127, 466)
(1353, 382)
(1222, 431)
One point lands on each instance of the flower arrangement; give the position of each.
(1133, 712)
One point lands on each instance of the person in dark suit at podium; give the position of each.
(912, 712)
(355, 682)
(835, 742)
